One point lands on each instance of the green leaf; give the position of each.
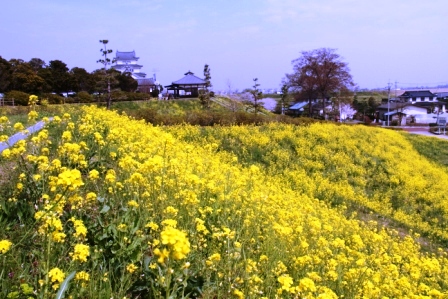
(64, 286)
(105, 209)
(146, 262)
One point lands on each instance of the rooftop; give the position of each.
(125, 55)
(417, 93)
(189, 79)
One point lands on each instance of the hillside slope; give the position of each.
(244, 211)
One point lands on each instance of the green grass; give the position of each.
(434, 149)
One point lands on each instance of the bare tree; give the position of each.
(318, 74)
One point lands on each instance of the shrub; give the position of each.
(84, 97)
(53, 98)
(20, 98)
(137, 96)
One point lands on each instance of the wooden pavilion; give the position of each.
(187, 87)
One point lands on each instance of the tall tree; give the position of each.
(37, 64)
(59, 78)
(204, 95)
(23, 78)
(284, 98)
(106, 61)
(126, 82)
(318, 74)
(5, 75)
(256, 96)
(81, 80)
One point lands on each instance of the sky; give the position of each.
(402, 42)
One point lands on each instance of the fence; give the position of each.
(4, 102)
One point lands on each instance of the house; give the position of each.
(317, 108)
(412, 107)
(416, 96)
(442, 96)
(297, 108)
(188, 86)
(147, 85)
(399, 112)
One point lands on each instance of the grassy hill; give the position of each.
(270, 211)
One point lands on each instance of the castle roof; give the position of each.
(125, 55)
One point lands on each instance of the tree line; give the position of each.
(55, 78)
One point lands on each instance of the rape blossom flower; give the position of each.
(5, 245)
(81, 252)
(131, 268)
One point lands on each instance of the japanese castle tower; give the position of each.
(127, 62)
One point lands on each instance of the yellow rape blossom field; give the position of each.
(98, 205)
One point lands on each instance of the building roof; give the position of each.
(442, 94)
(417, 94)
(146, 81)
(139, 75)
(125, 55)
(394, 105)
(189, 79)
(298, 106)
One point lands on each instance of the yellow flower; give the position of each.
(307, 284)
(131, 268)
(5, 245)
(285, 281)
(70, 178)
(6, 153)
(3, 119)
(80, 229)
(32, 115)
(152, 226)
(238, 294)
(122, 227)
(82, 275)
(67, 136)
(56, 275)
(81, 253)
(177, 241)
(58, 237)
(162, 254)
(18, 126)
(133, 204)
(32, 100)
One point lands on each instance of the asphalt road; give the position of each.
(425, 131)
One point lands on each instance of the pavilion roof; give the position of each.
(189, 79)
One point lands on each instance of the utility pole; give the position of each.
(388, 104)
(106, 61)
